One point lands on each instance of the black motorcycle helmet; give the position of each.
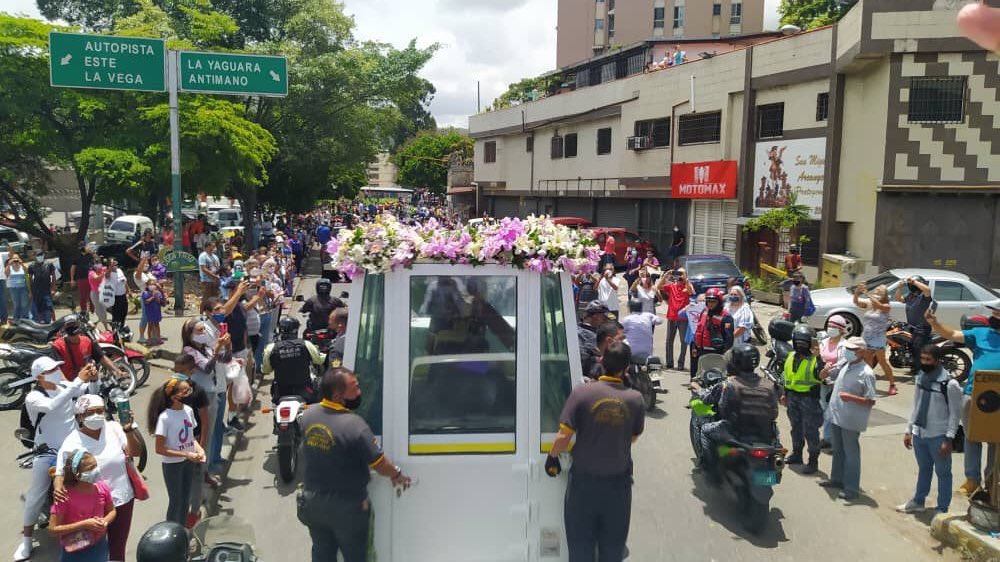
(164, 542)
(288, 327)
(634, 305)
(743, 358)
(72, 325)
(802, 338)
(323, 287)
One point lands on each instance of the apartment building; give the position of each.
(382, 172)
(883, 125)
(593, 27)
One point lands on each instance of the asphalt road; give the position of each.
(676, 515)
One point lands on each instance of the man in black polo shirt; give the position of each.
(917, 300)
(606, 418)
(338, 451)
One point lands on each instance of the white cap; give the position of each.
(43, 365)
(855, 343)
(86, 402)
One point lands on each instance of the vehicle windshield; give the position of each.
(886, 279)
(721, 268)
(121, 226)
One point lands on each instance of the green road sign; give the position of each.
(106, 62)
(178, 261)
(232, 73)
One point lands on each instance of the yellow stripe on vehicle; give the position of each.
(453, 448)
(547, 446)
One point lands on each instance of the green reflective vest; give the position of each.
(803, 379)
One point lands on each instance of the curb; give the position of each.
(955, 530)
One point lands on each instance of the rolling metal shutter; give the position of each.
(567, 207)
(713, 229)
(617, 213)
(506, 207)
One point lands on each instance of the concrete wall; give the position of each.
(849, 29)
(793, 53)
(575, 36)
(799, 100)
(914, 25)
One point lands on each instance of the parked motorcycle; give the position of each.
(27, 331)
(750, 468)
(781, 345)
(899, 338)
(647, 378)
(119, 339)
(27, 460)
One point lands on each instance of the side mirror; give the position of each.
(22, 434)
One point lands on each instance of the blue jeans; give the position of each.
(929, 458)
(41, 308)
(3, 300)
(218, 432)
(846, 468)
(824, 400)
(19, 300)
(265, 338)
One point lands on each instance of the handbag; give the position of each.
(107, 294)
(139, 488)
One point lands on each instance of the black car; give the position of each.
(711, 270)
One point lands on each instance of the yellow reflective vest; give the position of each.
(803, 379)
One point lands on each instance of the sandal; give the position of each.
(892, 390)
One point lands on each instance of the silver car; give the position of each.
(956, 294)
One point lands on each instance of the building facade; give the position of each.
(587, 28)
(882, 125)
(382, 172)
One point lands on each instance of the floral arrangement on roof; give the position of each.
(535, 243)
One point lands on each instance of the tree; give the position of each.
(528, 89)
(810, 14)
(783, 221)
(423, 160)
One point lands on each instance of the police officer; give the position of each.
(338, 451)
(337, 325)
(163, 542)
(714, 333)
(747, 405)
(320, 305)
(606, 418)
(595, 314)
(803, 376)
(289, 358)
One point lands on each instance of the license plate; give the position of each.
(765, 477)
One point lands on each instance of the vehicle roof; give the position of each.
(706, 257)
(134, 218)
(903, 273)
(553, 219)
(602, 229)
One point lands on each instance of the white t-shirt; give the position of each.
(109, 450)
(742, 318)
(118, 282)
(57, 405)
(177, 429)
(608, 295)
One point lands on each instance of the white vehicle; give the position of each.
(127, 229)
(957, 295)
(464, 372)
(226, 217)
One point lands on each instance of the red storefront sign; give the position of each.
(704, 180)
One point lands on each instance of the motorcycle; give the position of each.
(751, 467)
(899, 338)
(223, 538)
(117, 341)
(647, 378)
(26, 461)
(28, 331)
(322, 339)
(781, 345)
(15, 375)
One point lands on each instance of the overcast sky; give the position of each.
(495, 42)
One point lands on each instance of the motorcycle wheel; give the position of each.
(141, 367)
(129, 380)
(755, 514)
(287, 461)
(759, 333)
(646, 389)
(694, 431)
(12, 398)
(957, 363)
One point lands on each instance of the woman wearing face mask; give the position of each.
(17, 286)
(81, 521)
(208, 350)
(874, 324)
(173, 423)
(141, 277)
(95, 278)
(831, 352)
(632, 266)
(742, 315)
(644, 290)
(50, 408)
(111, 444)
(798, 298)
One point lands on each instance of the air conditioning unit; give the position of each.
(638, 143)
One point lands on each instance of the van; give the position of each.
(127, 229)
(228, 217)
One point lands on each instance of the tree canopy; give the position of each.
(810, 14)
(525, 90)
(423, 160)
(347, 101)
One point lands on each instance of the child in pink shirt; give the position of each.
(81, 521)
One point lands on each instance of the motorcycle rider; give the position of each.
(714, 333)
(289, 358)
(638, 326)
(594, 315)
(164, 542)
(917, 300)
(747, 406)
(803, 377)
(320, 305)
(50, 408)
(76, 350)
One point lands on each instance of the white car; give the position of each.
(957, 295)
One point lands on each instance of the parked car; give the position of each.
(127, 229)
(624, 239)
(108, 217)
(712, 270)
(14, 240)
(572, 222)
(957, 295)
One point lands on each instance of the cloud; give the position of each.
(481, 5)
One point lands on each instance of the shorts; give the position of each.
(876, 342)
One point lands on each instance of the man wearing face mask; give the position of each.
(290, 358)
(338, 453)
(76, 350)
(917, 300)
(850, 407)
(42, 288)
(803, 374)
(320, 305)
(714, 333)
(985, 345)
(49, 407)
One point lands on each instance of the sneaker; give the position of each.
(830, 484)
(910, 507)
(968, 487)
(848, 496)
(23, 550)
(892, 390)
(213, 480)
(141, 341)
(236, 424)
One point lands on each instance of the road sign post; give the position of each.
(106, 62)
(233, 73)
(175, 177)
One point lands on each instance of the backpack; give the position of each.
(31, 427)
(758, 407)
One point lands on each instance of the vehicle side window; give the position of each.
(952, 291)
(555, 383)
(370, 357)
(631, 238)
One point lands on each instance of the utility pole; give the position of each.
(175, 175)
